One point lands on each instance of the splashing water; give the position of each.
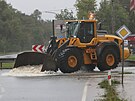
(30, 71)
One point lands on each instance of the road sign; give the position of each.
(123, 32)
(38, 48)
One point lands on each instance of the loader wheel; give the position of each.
(108, 59)
(70, 60)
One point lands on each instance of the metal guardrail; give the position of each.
(6, 60)
(130, 63)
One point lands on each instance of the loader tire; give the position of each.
(70, 60)
(108, 59)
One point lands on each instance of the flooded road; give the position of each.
(49, 86)
(127, 90)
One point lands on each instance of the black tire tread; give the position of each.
(62, 60)
(102, 66)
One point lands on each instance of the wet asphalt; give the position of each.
(49, 88)
(69, 87)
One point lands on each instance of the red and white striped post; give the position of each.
(109, 77)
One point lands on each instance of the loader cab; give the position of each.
(86, 32)
(82, 30)
(72, 29)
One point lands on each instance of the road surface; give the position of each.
(49, 88)
(80, 86)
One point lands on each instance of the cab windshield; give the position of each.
(72, 29)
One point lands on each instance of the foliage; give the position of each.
(112, 13)
(84, 7)
(131, 15)
(111, 94)
(7, 65)
(65, 15)
(19, 31)
(37, 14)
(132, 22)
(131, 57)
(112, 18)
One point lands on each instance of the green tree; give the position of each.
(37, 14)
(105, 14)
(132, 22)
(125, 4)
(18, 31)
(84, 7)
(65, 15)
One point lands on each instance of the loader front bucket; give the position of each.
(35, 58)
(49, 64)
(29, 58)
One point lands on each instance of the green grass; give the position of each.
(7, 65)
(110, 92)
(7, 53)
(131, 57)
(127, 73)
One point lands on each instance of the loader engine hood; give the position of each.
(118, 40)
(109, 37)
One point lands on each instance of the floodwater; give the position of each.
(29, 84)
(127, 90)
(29, 71)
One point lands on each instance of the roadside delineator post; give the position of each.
(109, 77)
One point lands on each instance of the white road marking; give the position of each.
(84, 97)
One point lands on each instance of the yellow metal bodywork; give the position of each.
(106, 38)
(89, 54)
(126, 53)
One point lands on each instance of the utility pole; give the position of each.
(113, 15)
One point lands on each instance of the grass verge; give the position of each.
(110, 91)
(131, 57)
(7, 65)
(127, 73)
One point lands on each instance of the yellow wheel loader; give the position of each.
(83, 45)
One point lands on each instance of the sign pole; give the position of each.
(122, 62)
(123, 32)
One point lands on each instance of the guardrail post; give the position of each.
(1, 65)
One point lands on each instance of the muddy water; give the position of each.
(46, 88)
(29, 71)
(127, 91)
(36, 71)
